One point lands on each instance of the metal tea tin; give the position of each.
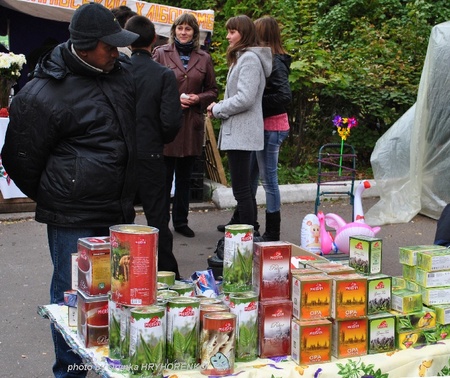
(166, 277)
(218, 343)
(184, 289)
(134, 264)
(114, 312)
(245, 306)
(182, 330)
(147, 341)
(238, 258)
(211, 307)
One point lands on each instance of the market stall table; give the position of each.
(430, 360)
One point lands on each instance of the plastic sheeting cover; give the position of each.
(411, 161)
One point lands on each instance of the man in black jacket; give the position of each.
(70, 146)
(158, 114)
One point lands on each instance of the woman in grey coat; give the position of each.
(242, 129)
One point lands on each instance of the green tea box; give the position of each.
(379, 290)
(406, 301)
(442, 313)
(435, 295)
(381, 337)
(432, 279)
(398, 283)
(407, 255)
(442, 332)
(414, 339)
(432, 261)
(423, 319)
(365, 254)
(409, 272)
(412, 286)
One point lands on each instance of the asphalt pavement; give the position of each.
(26, 349)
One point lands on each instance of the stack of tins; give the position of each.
(94, 282)
(271, 280)
(137, 324)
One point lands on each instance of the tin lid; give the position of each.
(243, 294)
(92, 298)
(167, 294)
(147, 309)
(219, 315)
(238, 227)
(183, 300)
(134, 229)
(97, 242)
(210, 307)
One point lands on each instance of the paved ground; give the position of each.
(26, 349)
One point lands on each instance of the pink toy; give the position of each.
(345, 230)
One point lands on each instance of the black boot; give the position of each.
(234, 220)
(273, 221)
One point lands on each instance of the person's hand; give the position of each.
(209, 112)
(188, 100)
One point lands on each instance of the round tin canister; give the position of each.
(184, 289)
(166, 294)
(182, 330)
(147, 341)
(162, 286)
(245, 306)
(238, 258)
(124, 343)
(114, 311)
(208, 300)
(134, 264)
(218, 343)
(166, 277)
(211, 307)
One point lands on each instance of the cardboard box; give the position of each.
(349, 337)
(419, 320)
(435, 295)
(300, 256)
(74, 260)
(442, 313)
(379, 291)
(311, 296)
(310, 341)
(435, 260)
(413, 339)
(381, 333)
(408, 255)
(275, 328)
(432, 279)
(94, 265)
(349, 296)
(332, 268)
(271, 267)
(406, 301)
(365, 254)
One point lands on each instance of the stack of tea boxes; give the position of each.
(422, 294)
(341, 310)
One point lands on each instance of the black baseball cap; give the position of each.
(92, 22)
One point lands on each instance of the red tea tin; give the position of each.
(134, 264)
(92, 319)
(94, 274)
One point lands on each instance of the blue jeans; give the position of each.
(268, 169)
(62, 243)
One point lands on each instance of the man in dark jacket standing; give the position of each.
(70, 146)
(158, 114)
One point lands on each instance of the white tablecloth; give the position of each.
(7, 186)
(426, 361)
